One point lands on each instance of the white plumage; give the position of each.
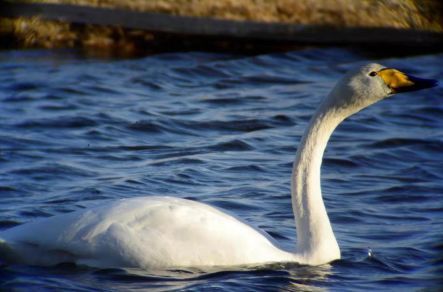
(147, 232)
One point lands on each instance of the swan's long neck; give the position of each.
(316, 243)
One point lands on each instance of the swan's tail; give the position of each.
(33, 254)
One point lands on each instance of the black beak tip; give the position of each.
(434, 82)
(421, 83)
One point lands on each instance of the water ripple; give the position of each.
(223, 129)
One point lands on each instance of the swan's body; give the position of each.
(148, 232)
(164, 232)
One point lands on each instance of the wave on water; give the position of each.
(223, 129)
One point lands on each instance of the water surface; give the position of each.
(223, 129)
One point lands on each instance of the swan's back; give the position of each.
(144, 232)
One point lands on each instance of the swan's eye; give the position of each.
(373, 73)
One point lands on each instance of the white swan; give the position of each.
(165, 232)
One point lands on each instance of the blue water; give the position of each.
(223, 129)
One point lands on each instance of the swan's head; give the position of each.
(370, 83)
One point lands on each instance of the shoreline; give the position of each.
(39, 25)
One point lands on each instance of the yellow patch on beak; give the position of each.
(395, 79)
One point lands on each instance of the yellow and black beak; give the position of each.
(398, 81)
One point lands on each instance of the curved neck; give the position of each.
(316, 243)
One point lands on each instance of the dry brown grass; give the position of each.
(34, 32)
(423, 14)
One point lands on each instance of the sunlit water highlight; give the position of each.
(223, 129)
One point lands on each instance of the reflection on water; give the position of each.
(295, 276)
(223, 129)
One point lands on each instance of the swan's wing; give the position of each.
(143, 232)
